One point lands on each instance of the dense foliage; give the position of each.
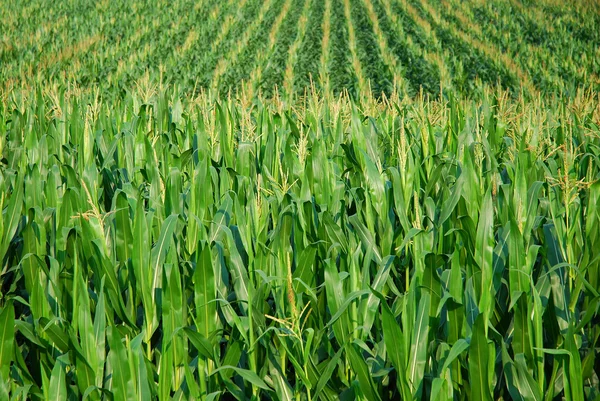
(418, 250)
(300, 199)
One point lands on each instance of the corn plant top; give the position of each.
(187, 249)
(289, 46)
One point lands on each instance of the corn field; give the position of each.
(363, 47)
(300, 200)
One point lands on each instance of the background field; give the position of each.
(534, 47)
(300, 200)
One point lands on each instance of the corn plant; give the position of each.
(156, 246)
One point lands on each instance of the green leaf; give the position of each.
(159, 251)
(124, 235)
(450, 204)
(7, 338)
(458, 348)
(202, 345)
(10, 220)
(418, 347)
(141, 267)
(484, 256)
(479, 362)
(57, 389)
(394, 344)
(334, 232)
(247, 375)
(526, 384)
(326, 373)
(362, 372)
(123, 387)
(58, 336)
(345, 305)
(366, 237)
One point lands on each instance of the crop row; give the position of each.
(307, 67)
(341, 74)
(112, 45)
(273, 76)
(532, 46)
(369, 54)
(417, 71)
